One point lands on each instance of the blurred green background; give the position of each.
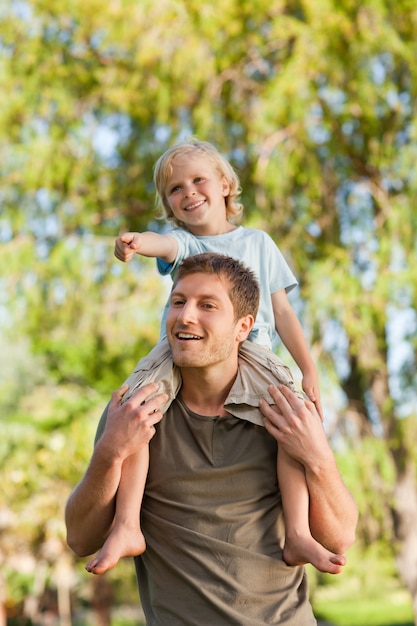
(314, 103)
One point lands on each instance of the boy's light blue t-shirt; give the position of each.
(255, 249)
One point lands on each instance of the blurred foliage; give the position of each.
(314, 103)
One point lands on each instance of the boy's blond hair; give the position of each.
(163, 171)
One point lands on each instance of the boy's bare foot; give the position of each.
(122, 541)
(301, 550)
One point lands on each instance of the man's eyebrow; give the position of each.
(202, 296)
(176, 293)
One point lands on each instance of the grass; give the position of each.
(391, 608)
(365, 612)
(368, 593)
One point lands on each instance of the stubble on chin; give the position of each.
(204, 356)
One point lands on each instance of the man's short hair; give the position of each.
(241, 283)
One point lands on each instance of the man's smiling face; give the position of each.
(201, 326)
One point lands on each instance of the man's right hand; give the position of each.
(131, 425)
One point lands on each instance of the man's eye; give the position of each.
(208, 305)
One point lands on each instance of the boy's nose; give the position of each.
(189, 191)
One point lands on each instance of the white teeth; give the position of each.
(187, 336)
(194, 206)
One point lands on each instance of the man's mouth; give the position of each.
(188, 336)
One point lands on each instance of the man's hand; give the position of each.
(296, 425)
(131, 425)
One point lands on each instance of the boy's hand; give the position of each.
(311, 389)
(126, 246)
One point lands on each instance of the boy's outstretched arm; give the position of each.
(291, 333)
(148, 244)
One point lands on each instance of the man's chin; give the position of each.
(184, 361)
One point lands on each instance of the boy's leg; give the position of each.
(156, 367)
(126, 537)
(260, 367)
(300, 547)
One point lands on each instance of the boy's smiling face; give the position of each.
(196, 195)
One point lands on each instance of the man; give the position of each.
(212, 514)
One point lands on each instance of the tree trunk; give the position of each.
(102, 600)
(405, 526)
(365, 380)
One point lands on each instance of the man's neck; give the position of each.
(204, 390)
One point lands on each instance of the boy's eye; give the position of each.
(174, 189)
(198, 179)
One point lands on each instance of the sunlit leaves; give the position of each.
(315, 105)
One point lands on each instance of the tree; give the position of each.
(348, 192)
(314, 103)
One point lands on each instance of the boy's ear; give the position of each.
(225, 186)
(244, 326)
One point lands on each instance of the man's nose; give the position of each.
(188, 313)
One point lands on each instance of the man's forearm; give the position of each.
(333, 512)
(90, 508)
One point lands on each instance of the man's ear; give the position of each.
(244, 326)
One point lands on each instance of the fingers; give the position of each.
(125, 247)
(285, 399)
(147, 396)
(274, 421)
(319, 408)
(271, 423)
(116, 396)
(288, 406)
(154, 407)
(267, 409)
(127, 238)
(143, 396)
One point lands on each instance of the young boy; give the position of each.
(197, 190)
